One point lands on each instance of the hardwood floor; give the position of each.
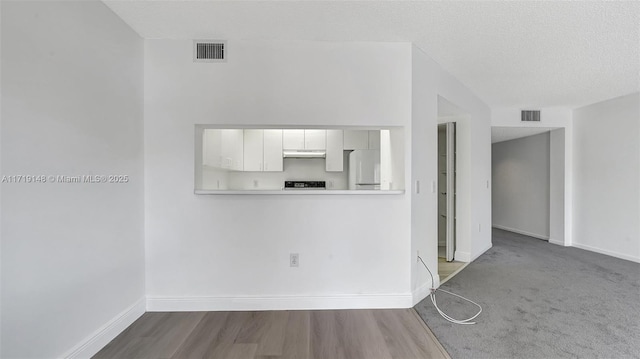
(446, 270)
(330, 334)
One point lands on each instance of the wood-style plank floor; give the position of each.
(446, 270)
(330, 334)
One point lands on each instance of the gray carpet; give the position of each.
(540, 300)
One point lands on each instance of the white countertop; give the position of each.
(299, 192)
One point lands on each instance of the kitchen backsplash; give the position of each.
(308, 169)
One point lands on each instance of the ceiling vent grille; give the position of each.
(531, 116)
(209, 51)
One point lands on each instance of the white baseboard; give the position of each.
(481, 252)
(556, 242)
(367, 301)
(423, 291)
(606, 252)
(534, 235)
(101, 337)
(462, 256)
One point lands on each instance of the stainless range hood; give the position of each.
(304, 154)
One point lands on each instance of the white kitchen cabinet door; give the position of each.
(374, 139)
(227, 148)
(334, 157)
(212, 148)
(315, 139)
(253, 150)
(293, 139)
(356, 139)
(232, 149)
(238, 150)
(273, 151)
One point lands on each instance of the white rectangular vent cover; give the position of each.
(209, 51)
(531, 116)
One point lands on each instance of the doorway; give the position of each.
(447, 265)
(528, 177)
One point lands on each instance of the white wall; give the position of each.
(72, 254)
(557, 174)
(474, 165)
(474, 215)
(232, 252)
(1, 172)
(520, 179)
(607, 177)
(549, 117)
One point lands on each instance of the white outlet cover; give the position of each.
(294, 260)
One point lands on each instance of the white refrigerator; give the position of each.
(364, 170)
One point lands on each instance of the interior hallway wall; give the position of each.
(431, 81)
(607, 177)
(208, 252)
(72, 253)
(520, 172)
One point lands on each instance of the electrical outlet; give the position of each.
(294, 260)
(255, 183)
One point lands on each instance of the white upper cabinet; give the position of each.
(273, 151)
(253, 150)
(315, 139)
(361, 140)
(263, 151)
(212, 148)
(356, 139)
(304, 139)
(223, 149)
(374, 139)
(232, 149)
(334, 156)
(293, 139)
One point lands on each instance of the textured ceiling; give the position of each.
(501, 134)
(511, 54)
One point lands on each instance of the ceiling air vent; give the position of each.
(531, 116)
(209, 51)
